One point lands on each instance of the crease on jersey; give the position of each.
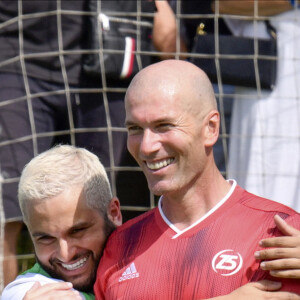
(220, 203)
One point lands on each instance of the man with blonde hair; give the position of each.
(68, 207)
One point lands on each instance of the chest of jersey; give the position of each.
(197, 265)
(148, 260)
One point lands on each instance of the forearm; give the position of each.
(247, 7)
(165, 30)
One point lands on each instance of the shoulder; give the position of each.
(262, 204)
(19, 287)
(131, 232)
(259, 206)
(138, 221)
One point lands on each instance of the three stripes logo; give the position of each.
(129, 273)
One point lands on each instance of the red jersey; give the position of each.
(148, 258)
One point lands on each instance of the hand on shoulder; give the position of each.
(282, 254)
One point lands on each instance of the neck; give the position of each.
(186, 207)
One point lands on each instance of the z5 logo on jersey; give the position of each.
(227, 262)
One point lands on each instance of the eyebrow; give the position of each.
(81, 224)
(158, 121)
(128, 123)
(78, 225)
(40, 233)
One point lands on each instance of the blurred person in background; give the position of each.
(264, 153)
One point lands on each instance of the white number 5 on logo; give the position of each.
(227, 262)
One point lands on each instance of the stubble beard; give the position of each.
(83, 286)
(88, 284)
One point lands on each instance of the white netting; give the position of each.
(263, 169)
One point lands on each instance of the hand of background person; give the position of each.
(283, 259)
(165, 30)
(261, 290)
(51, 291)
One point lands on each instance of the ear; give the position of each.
(212, 128)
(114, 211)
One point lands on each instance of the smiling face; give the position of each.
(167, 130)
(68, 237)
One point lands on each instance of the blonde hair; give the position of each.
(53, 171)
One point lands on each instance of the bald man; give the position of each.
(200, 241)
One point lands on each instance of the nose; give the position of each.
(65, 250)
(150, 142)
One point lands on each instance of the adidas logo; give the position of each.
(129, 273)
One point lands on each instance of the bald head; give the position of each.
(171, 119)
(181, 78)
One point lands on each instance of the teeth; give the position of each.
(159, 165)
(76, 265)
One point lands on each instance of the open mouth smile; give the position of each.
(76, 265)
(159, 164)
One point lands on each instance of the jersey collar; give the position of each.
(211, 211)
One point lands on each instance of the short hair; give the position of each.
(59, 168)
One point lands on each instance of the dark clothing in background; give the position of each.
(206, 16)
(46, 98)
(40, 35)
